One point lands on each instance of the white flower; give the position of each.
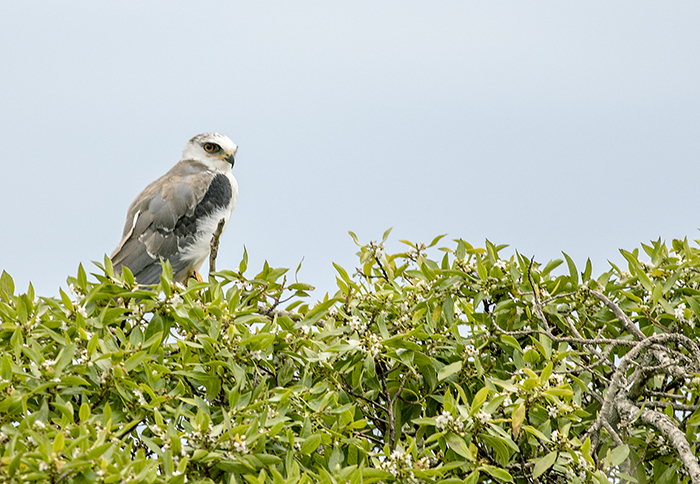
(239, 445)
(679, 312)
(483, 417)
(401, 457)
(356, 324)
(501, 264)
(507, 401)
(443, 420)
(421, 286)
(256, 355)
(553, 411)
(83, 356)
(81, 310)
(139, 396)
(470, 351)
(305, 329)
(377, 250)
(372, 345)
(43, 466)
(557, 379)
(38, 424)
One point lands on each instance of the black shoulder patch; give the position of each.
(218, 196)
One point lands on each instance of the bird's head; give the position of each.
(215, 150)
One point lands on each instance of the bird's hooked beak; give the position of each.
(230, 157)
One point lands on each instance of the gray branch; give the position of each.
(668, 428)
(214, 245)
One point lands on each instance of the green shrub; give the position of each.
(470, 367)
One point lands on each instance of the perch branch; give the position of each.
(214, 245)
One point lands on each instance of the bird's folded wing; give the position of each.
(161, 222)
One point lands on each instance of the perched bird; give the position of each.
(175, 217)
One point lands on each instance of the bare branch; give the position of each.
(619, 314)
(676, 406)
(667, 427)
(214, 245)
(619, 381)
(268, 311)
(616, 438)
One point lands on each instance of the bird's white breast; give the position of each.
(198, 251)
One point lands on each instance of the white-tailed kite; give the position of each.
(175, 217)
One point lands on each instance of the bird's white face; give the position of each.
(213, 149)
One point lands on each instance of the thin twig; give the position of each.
(214, 245)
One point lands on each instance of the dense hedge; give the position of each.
(468, 367)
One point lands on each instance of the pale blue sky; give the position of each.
(545, 125)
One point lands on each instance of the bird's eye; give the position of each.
(210, 147)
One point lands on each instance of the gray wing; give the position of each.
(161, 222)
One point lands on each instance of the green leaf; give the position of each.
(6, 371)
(472, 478)
(573, 273)
(354, 238)
(587, 271)
(84, 412)
(386, 235)
(481, 270)
(517, 419)
(479, 400)
(244, 262)
(82, 277)
(7, 285)
(449, 370)
(435, 240)
(541, 465)
(58, 442)
(500, 474)
(343, 273)
(618, 455)
(311, 444)
(551, 265)
(457, 444)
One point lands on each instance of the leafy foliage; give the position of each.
(470, 367)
